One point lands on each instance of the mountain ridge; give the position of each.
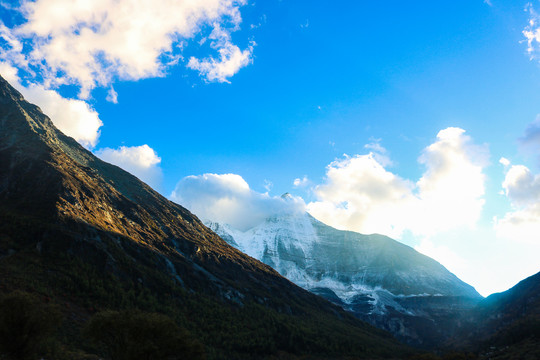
(91, 236)
(505, 323)
(376, 251)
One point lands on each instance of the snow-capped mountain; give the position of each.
(379, 279)
(75, 228)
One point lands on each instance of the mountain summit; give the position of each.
(379, 279)
(91, 236)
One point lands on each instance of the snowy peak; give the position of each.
(281, 241)
(313, 255)
(287, 196)
(373, 276)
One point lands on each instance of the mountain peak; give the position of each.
(8, 92)
(287, 196)
(373, 276)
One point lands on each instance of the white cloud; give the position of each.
(532, 32)
(301, 182)
(112, 96)
(379, 153)
(521, 186)
(452, 188)
(361, 195)
(268, 185)
(231, 58)
(522, 224)
(228, 199)
(141, 161)
(91, 43)
(376, 146)
(73, 117)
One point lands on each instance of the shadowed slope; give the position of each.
(505, 325)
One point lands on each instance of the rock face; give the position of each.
(88, 234)
(379, 279)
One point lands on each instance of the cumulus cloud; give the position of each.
(227, 198)
(91, 43)
(453, 183)
(532, 32)
(73, 117)
(360, 194)
(504, 161)
(522, 188)
(231, 58)
(141, 161)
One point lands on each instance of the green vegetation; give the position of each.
(26, 325)
(71, 274)
(506, 326)
(134, 335)
(447, 356)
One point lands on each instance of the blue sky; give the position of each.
(278, 91)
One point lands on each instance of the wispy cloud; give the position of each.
(230, 60)
(530, 141)
(532, 32)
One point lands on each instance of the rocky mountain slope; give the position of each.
(90, 236)
(378, 279)
(505, 325)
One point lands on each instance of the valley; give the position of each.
(91, 238)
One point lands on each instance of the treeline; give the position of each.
(29, 330)
(77, 276)
(33, 327)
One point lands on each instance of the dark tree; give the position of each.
(25, 325)
(134, 335)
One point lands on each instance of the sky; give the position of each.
(418, 120)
